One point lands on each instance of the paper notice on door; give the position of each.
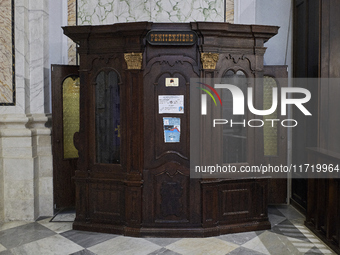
(171, 104)
(171, 82)
(172, 130)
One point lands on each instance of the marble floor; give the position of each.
(55, 236)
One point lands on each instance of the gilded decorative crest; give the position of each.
(209, 60)
(133, 60)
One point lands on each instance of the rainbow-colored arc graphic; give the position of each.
(209, 93)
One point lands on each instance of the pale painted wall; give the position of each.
(277, 13)
(57, 40)
(270, 12)
(112, 11)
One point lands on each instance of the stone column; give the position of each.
(16, 168)
(26, 190)
(42, 164)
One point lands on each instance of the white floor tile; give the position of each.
(202, 246)
(123, 245)
(53, 245)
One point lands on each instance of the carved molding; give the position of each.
(172, 60)
(171, 203)
(209, 60)
(106, 59)
(133, 60)
(235, 58)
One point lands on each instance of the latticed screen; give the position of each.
(269, 128)
(107, 118)
(70, 115)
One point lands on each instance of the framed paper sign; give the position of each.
(172, 130)
(170, 104)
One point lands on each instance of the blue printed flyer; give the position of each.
(172, 129)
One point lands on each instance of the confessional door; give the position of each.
(65, 122)
(171, 198)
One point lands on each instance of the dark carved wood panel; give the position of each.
(171, 199)
(230, 201)
(306, 64)
(134, 123)
(324, 199)
(133, 198)
(107, 202)
(81, 195)
(210, 200)
(238, 202)
(168, 200)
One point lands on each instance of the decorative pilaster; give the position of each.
(209, 60)
(133, 60)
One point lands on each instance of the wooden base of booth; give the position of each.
(172, 232)
(216, 207)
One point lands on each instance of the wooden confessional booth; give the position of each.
(130, 181)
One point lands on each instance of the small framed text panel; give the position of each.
(170, 104)
(171, 82)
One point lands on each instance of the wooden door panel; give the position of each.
(64, 160)
(157, 152)
(163, 149)
(170, 198)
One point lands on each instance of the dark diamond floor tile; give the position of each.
(84, 252)
(164, 251)
(162, 241)
(239, 238)
(42, 218)
(66, 210)
(21, 235)
(260, 232)
(64, 215)
(314, 250)
(273, 210)
(244, 251)
(275, 219)
(87, 239)
(288, 229)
